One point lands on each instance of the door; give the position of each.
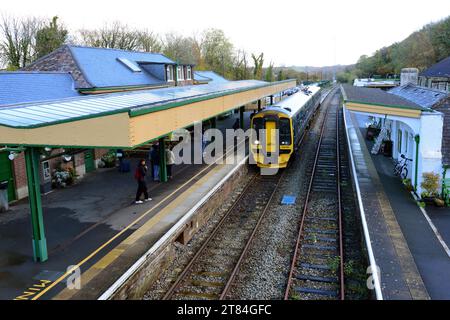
(6, 173)
(271, 136)
(89, 160)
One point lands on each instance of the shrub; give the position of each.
(109, 159)
(430, 184)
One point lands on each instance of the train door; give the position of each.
(271, 136)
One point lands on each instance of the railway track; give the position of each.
(317, 266)
(211, 271)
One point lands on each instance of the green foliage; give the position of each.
(430, 184)
(420, 50)
(109, 159)
(269, 73)
(258, 62)
(49, 38)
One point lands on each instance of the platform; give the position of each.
(84, 223)
(399, 276)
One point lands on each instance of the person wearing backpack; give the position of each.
(139, 175)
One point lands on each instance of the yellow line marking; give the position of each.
(37, 287)
(96, 251)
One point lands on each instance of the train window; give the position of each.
(285, 131)
(258, 124)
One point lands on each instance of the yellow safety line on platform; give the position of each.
(96, 251)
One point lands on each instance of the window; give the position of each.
(130, 65)
(285, 131)
(188, 73)
(169, 73)
(180, 73)
(406, 142)
(399, 141)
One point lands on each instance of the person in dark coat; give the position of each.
(139, 175)
(155, 158)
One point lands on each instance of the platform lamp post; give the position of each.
(162, 160)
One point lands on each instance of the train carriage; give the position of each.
(291, 117)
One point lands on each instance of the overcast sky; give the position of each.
(289, 32)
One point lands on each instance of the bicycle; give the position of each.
(401, 167)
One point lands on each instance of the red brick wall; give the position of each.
(98, 153)
(20, 172)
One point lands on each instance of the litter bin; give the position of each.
(4, 204)
(124, 165)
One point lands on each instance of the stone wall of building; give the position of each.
(60, 60)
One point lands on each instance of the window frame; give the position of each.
(169, 71)
(399, 140)
(188, 73)
(180, 70)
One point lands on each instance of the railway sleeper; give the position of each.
(303, 277)
(314, 291)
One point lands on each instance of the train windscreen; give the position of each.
(285, 131)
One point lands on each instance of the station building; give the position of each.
(437, 76)
(415, 119)
(75, 71)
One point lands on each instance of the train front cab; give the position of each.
(268, 122)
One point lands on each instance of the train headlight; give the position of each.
(256, 142)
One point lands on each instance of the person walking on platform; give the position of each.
(154, 156)
(139, 175)
(170, 158)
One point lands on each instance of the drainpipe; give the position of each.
(417, 139)
(176, 75)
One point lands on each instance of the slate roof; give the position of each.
(209, 76)
(440, 69)
(102, 69)
(377, 97)
(424, 97)
(20, 87)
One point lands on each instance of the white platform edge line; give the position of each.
(119, 282)
(376, 278)
(432, 226)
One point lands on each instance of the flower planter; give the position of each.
(428, 200)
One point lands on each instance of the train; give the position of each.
(291, 116)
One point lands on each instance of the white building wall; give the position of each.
(430, 156)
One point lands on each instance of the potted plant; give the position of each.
(430, 185)
(109, 159)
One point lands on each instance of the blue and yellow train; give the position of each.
(291, 116)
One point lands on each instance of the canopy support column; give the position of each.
(271, 100)
(162, 160)
(241, 117)
(32, 157)
(259, 105)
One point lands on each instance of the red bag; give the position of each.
(137, 174)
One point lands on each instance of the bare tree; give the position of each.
(115, 35)
(18, 40)
(180, 48)
(148, 41)
(258, 62)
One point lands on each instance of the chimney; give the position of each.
(409, 75)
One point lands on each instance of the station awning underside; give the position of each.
(376, 101)
(126, 120)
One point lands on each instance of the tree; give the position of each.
(240, 67)
(258, 62)
(269, 73)
(49, 38)
(179, 48)
(147, 41)
(217, 51)
(115, 35)
(280, 75)
(18, 40)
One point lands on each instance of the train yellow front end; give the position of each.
(271, 142)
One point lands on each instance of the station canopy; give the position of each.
(125, 120)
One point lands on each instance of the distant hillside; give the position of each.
(420, 50)
(302, 73)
